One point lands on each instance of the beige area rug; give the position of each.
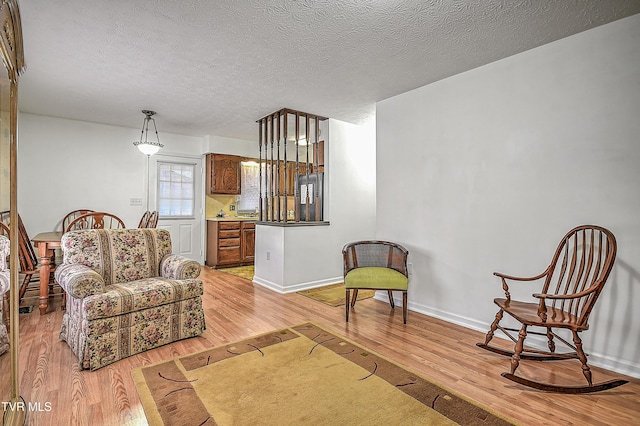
(334, 294)
(245, 272)
(298, 375)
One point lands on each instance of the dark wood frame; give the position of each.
(585, 257)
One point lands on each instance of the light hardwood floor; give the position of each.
(236, 308)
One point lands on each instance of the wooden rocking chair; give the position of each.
(572, 283)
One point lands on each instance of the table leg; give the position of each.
(45, 254)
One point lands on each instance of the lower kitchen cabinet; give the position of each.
(230, 243)
(248, 242)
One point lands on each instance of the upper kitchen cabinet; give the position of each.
(223, 174)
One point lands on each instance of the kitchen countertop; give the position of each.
(233, 219)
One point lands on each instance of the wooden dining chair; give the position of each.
(571, 286)
(144, 220)
(375, 265)
(95, 220)
(72, 215)
(149, 219)
(28, 260)
(153, 219)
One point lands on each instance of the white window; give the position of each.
(250, 187)
(176, 190)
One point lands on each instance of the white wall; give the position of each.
(493, 166)
(310, 256)
(241, 147)
(65, 165)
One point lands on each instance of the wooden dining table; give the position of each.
(46, 243)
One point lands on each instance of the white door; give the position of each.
(176, 191)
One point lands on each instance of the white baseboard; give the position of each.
(596, 359)
(295, 287)
(268, 284)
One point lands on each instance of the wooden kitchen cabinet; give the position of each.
(223, 174)
(248, 241)
(230, 243)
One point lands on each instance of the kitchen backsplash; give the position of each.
(214, 203)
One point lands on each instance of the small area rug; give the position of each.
(245, 272)
(298, 375)
(333, 295)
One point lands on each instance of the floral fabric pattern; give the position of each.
(107, 340)
(4, 252)
(120, 300)
(137, 295)
(119, 255)
(79, 280)
(179, 268)
(4, 287)
(4, 284)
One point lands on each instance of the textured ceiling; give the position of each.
(215, 67)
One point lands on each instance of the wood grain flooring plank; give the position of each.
(236, 309)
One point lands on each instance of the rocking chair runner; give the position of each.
(572, 283)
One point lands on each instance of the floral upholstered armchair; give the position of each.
(4, 288)
(126, 293)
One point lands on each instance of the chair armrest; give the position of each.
(179, 267)
(510, 277)
(566, 296)
(79, 281)
(505, 277)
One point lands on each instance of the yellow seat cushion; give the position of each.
(375, 277)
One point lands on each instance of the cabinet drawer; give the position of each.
(229, 242)
(231, 233)
(229, 254)
(228, 225)
(248, 225)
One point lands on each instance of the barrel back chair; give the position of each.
(95, 220)
(570, 288)
(375, 265)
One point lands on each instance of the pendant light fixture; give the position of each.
(146, 146)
